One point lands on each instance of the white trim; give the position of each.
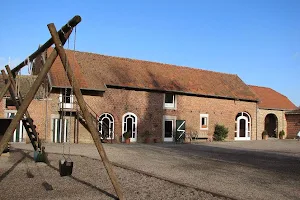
(169, 118)
(111, 125)
(132, 139)
(207, 121)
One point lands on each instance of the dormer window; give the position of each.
(66, 99)
(170, 101)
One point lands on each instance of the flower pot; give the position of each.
(127, 141)
(265, 137)
(281, 137)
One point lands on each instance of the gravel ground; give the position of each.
(22, 178)
(241, 170)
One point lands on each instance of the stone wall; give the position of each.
(281, 121)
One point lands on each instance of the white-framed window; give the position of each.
(170, 101)
(66, 99)
(106, 126)
(203, 121)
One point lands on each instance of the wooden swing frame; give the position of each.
(58, 38)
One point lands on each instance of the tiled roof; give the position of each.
(94, 71)
(270, 99)
(24, 82)
(58, 74)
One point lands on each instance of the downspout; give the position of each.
(256, 120)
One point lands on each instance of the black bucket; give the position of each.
(65, 167)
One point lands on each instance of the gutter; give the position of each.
(86, 89)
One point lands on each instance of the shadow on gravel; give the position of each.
(74, 178)
(271, 161)
(12, 167)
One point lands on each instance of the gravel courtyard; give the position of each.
(237, 170)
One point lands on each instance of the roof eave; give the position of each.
(86, 89)
(180, 92)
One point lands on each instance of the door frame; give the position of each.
(169, 118)
(111, 125)
(247, 136)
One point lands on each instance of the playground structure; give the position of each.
(58, 38)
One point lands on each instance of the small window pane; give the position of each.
(204, 121)
(169, 98)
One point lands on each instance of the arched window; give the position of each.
(242, 126)
(106, 126)
(129, 124)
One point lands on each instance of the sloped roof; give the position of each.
(95, 70)
(271, 99)
(24, 83)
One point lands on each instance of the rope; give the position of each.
(71, 92)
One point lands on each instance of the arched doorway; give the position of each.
(242, 126)
(130, 124)
(271, 125)
(106, 126)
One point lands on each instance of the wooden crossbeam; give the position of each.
(86, 114)
(65, 29)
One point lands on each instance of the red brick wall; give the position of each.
(148, 106)
(149, 109)
(293, 125)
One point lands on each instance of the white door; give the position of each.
(242, 128)
(130, 124)
(59, 134)
(169, 128)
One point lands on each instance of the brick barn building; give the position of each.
(143, 97)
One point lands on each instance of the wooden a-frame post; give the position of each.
(4, 89)
(30, 95)
(86, 114)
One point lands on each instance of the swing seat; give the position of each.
(39, 156)
(65, 167)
